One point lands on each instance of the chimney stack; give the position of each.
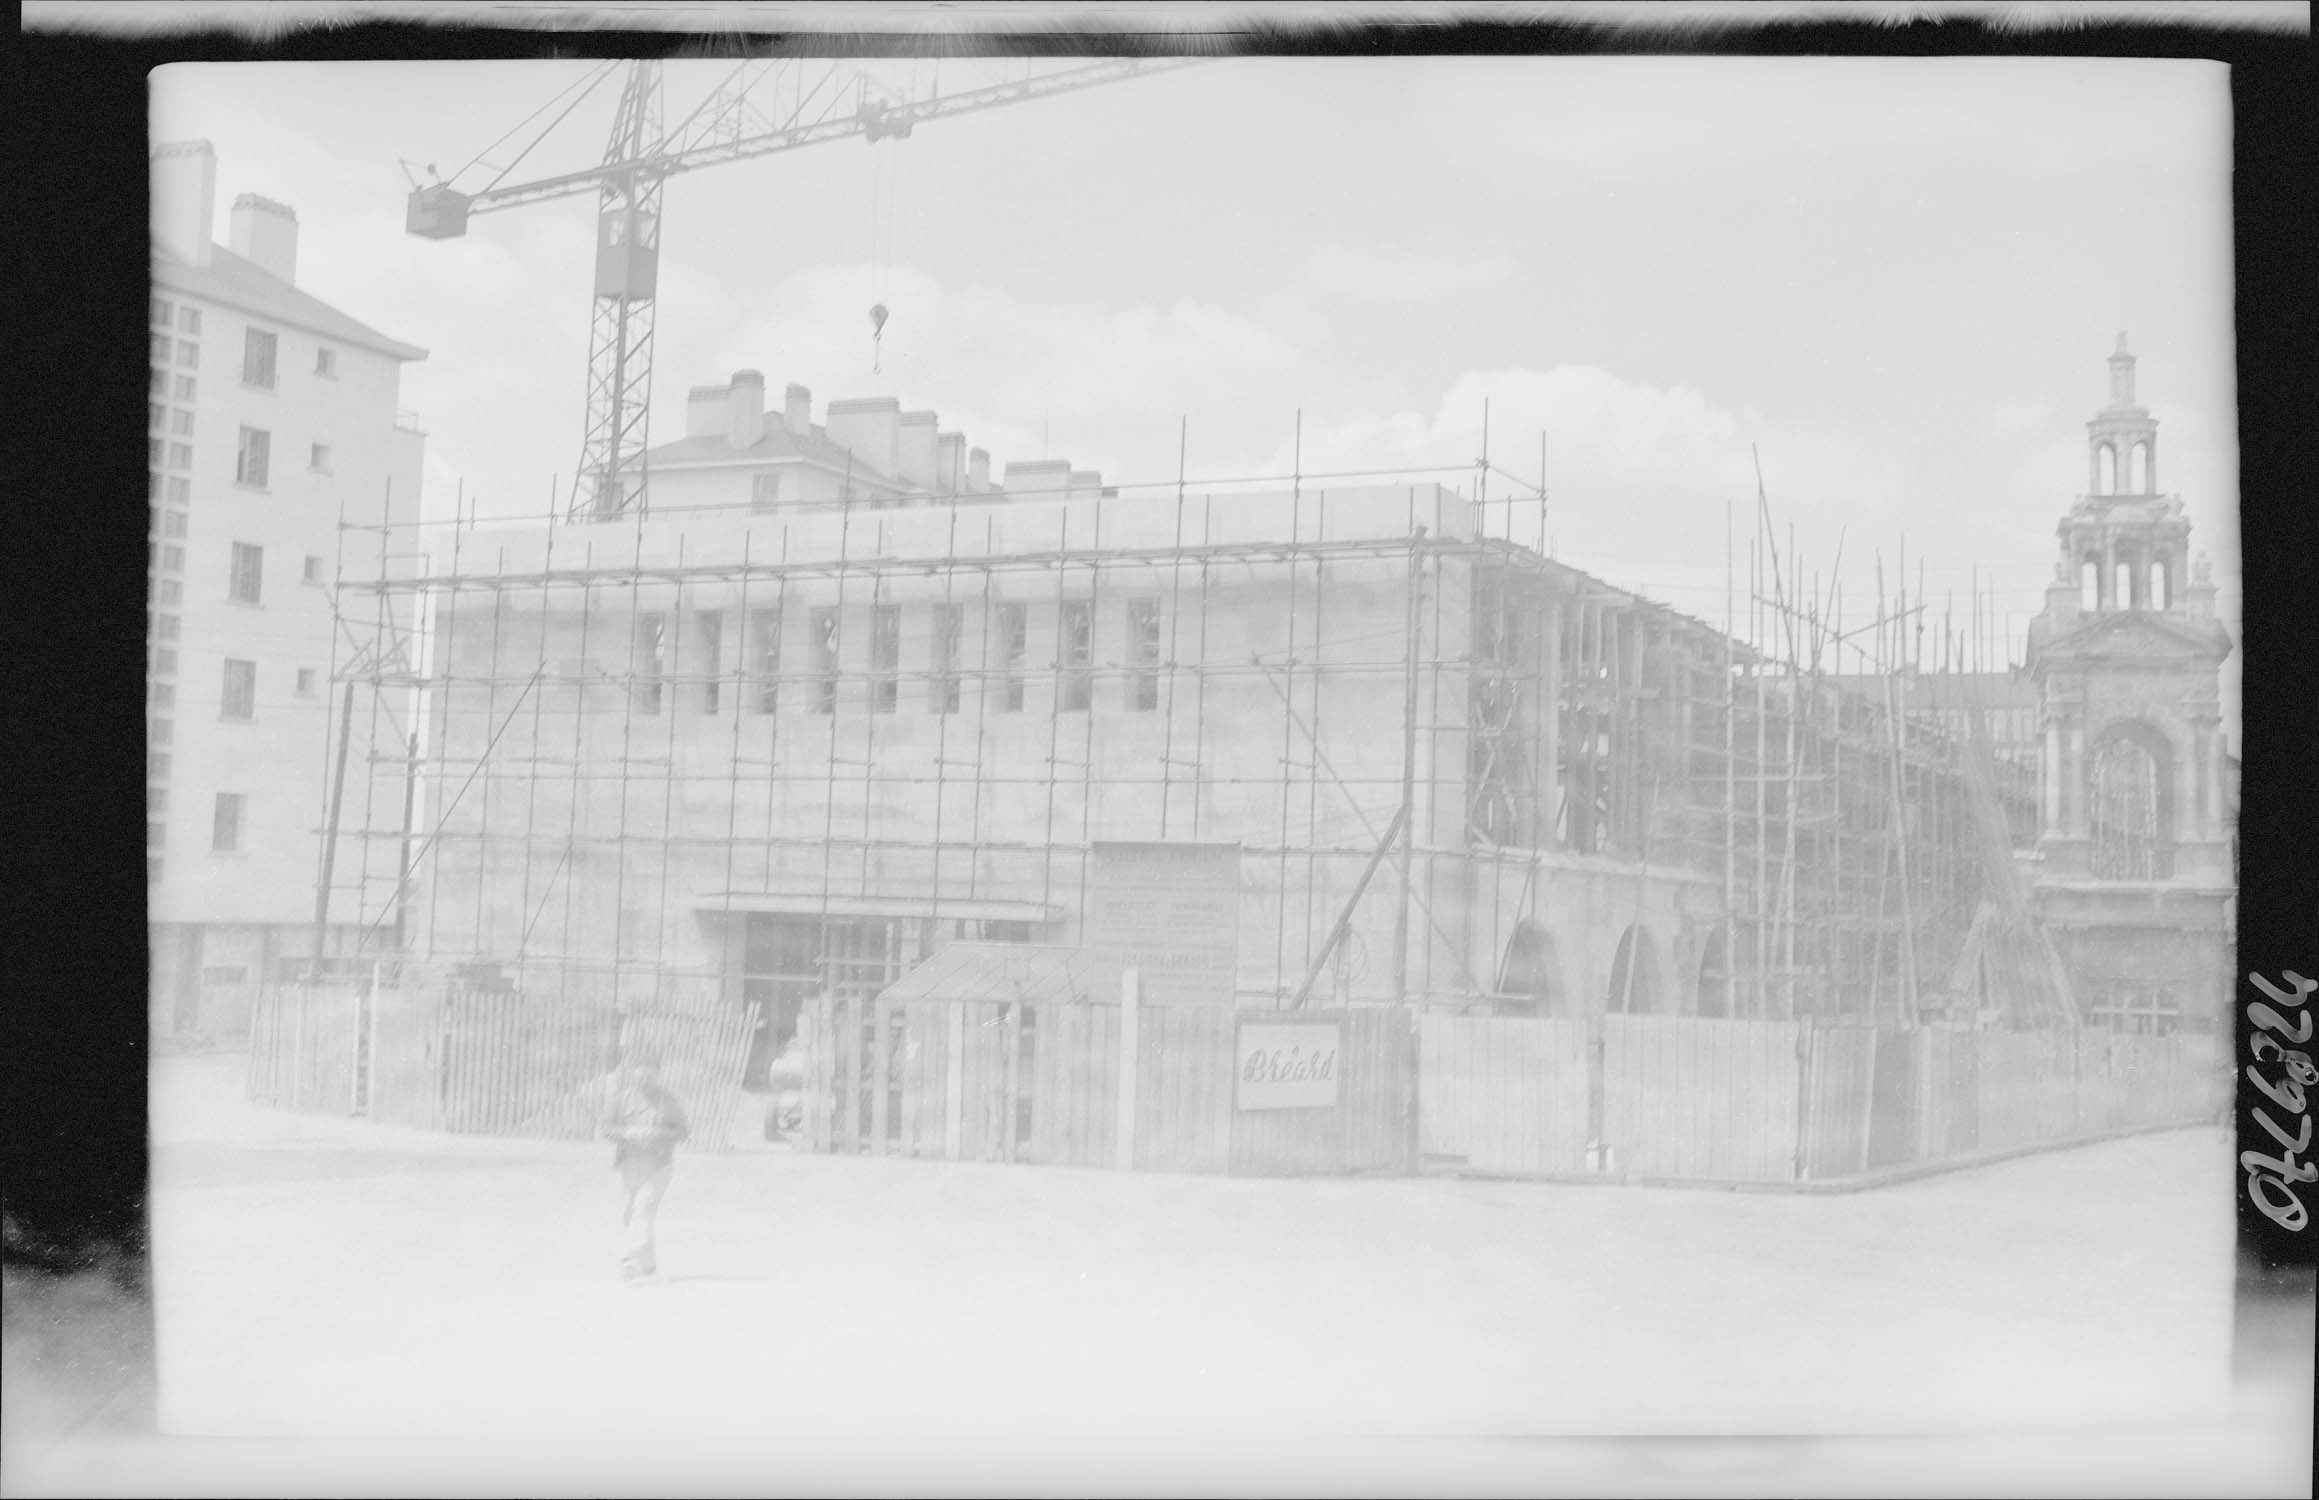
(797, 411)
(949, 463)
(1038, 479)
(708, 411)
(183, 180)
(748, 409)
(978, 472)
(918, 450)
(265, 233)
(868, 427)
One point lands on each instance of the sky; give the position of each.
(1895, 281)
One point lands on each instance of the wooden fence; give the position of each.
(1150, 1088)
(485, 1062)
(1691, 1099)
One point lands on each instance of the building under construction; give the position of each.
(840, 697)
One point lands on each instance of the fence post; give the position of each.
(1130, 1017)
(954, 1083)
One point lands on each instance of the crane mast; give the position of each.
(611, 479)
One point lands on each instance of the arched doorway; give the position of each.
(1644, 990)
(1531, 981)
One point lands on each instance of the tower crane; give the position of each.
(639, 157)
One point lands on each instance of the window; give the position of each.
(1075, 685)
(225, 829)
(152, 485)
(305, 682)
(173, 523)
(181, 424)
(250, 466)
(189, 321)
(180, 456)
(183, 389)
(319, 459)
(188, 354)
(258, 348)
(248, 579)
(823, 633)
(152, 870)
(160, 349)
(156, 416)
(1013, 647)
(326, 363)
(158, 385)
(161, 312)
(949, 624)
(764, 491)
(313, 572)
(172, 591)
(156, 834)
(156, 801)
(238, 699)
(226, 974)
(157, 733)
(885, 657)
(166, 628)
(712, 632)
(765, 653)
(651, 659)
(173, 559)
(1143, 654)
(157, 764)
(165, 662)
(181, 491)
(164, 696)
(156, 449)
(152, 520)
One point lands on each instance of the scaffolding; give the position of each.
(766, 754)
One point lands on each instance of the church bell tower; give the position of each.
(2133, 870)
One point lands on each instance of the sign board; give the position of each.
(1171, 912)
(1286, 1065)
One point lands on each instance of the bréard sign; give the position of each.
(1286, 1065)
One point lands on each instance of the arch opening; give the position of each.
(2089, 585)
(2105, 470)
(1715, 975)
(2130, 804)
(2138, 469)
(1637, 986)
(1530, 982)
(2161, 585)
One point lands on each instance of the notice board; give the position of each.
(1170, 911)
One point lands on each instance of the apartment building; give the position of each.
(278, 456)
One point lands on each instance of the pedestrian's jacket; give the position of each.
(644, 1123)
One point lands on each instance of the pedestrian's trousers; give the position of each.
(642, 1185)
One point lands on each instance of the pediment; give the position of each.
(2138, 635)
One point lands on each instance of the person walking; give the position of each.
(645, 1123)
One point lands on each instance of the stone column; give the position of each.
(2053, 800)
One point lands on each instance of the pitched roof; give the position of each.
(778, 442)
(239, 283)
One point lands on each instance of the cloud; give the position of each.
(1343, 272)
(1599, 121)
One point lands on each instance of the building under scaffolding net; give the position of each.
(762, 751)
